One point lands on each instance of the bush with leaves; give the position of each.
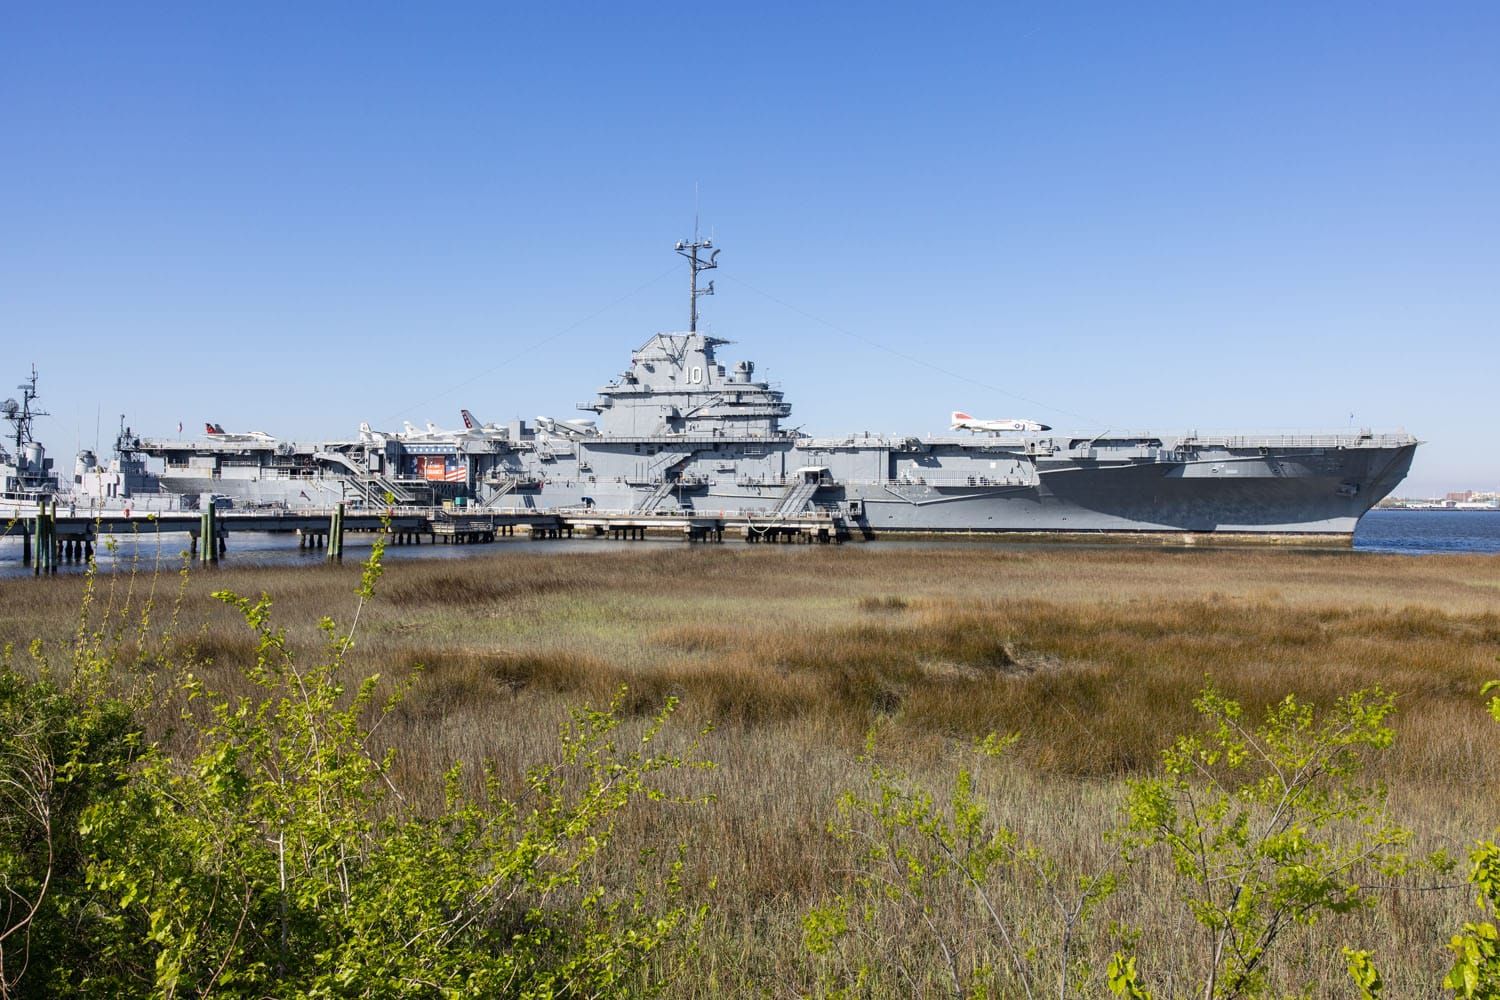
(278, 857)
(66, 745)
(1475, 974)
(63, 748)
(1268, 827)
(935, 884)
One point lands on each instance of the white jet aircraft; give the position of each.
(369, 436)
(432, 435)
(963, 422)
(478, 431)
(567, 428)
(218, 431)
(473, 426)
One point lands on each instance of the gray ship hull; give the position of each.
(320, 492)
(1111, 502)
(1324, 492)
(1260, 486)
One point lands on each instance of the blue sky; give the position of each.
(296, 217)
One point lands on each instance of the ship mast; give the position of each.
(21, 414)
(697, 263)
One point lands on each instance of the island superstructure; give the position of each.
(681, 430)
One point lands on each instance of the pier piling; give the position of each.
(208, 533)
(52, 543)
(45, 539)
(336, 534)
(48, 539)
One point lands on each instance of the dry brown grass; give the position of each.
(793, 654)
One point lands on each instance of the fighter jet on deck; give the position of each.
(963, 422)
(218, 433)
(567, 428)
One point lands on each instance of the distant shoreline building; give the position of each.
(1457, 500)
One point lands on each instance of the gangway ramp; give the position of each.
(800, 491)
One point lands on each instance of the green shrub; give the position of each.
(64, 749)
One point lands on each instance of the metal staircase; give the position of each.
(797, 496)
(662, 465)
(364, 486)
(503, 488)
(377, 491)
(655, 497)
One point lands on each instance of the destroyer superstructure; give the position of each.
(680, 431)
(26, 474)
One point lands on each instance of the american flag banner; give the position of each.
(442, 469)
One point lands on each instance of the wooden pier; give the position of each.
(50, 537)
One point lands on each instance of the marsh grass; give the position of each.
(1092, 656)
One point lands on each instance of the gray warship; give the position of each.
(678, 430)
(26, 473)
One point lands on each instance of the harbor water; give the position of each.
(1402, 532)
(1429, 532)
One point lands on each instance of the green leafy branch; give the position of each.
(1269, 827)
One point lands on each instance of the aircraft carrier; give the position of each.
(680, 431)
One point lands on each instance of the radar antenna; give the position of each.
(21, 414)
(697, 263)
